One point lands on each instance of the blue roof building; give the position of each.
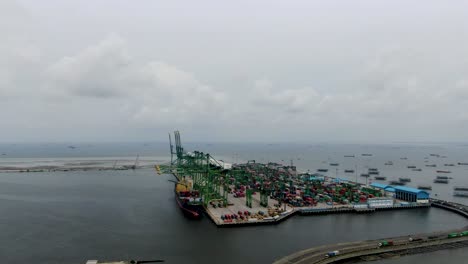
(410, 194)
(379, 185)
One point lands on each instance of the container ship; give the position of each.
(460, 191)
(188, 200)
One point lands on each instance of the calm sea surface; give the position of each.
(70, 217)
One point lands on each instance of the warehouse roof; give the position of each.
(379, 185)
(409, 189)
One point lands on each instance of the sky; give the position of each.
(257, 71)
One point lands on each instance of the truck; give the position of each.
(332, 253)
(414, 239)
(385, 243)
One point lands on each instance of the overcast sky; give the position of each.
(268, 70)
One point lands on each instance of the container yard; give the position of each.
(264, 193)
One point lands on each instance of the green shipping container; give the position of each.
(452, 235)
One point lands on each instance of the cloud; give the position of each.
(152, 91)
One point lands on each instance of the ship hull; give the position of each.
(190, 211)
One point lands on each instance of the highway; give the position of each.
(401, 245)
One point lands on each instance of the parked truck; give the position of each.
(385, 243)
(332, 253)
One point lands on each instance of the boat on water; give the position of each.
(443, 171)
(188, 199)
(404, 158)
(462, 163)
(334, 164)
(374, 172)
(364, 175)
(404, 179)
(431, 165)
(460, 191)
(389, 163)
(441, 181)
(322, 170)
(425, 187)
(399, 183)
(417, 169)
(449, 165)
(349, 171)
(442, 177)
(366, 154)
(349, 156)
(411, 167)
(380, 178)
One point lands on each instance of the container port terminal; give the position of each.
(255, 193)
(252, 193)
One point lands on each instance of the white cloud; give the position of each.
(151, 91)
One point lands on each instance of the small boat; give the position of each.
(399, 183)
(460, 191)
(434, 155)
(417, 169)
(374, 172)
(366, 154)
(443, 171)
(411, 167)
(349, 156)
(349, 171)
(364, 175)
(322, 170)
(389, 163)
(441, 181)
(380, 178)
(462, 163)
(442, 177)
(425, 187)
(404, 179)
(404, 158)
(334, 164)
(431, 165)
(449, 165)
